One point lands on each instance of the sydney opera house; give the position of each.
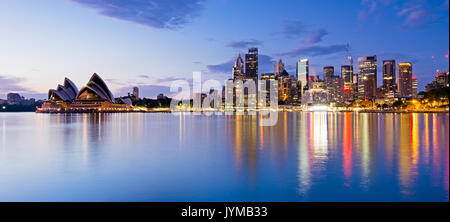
(94, 97)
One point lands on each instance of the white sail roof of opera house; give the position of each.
(98, 88)
(66, 92)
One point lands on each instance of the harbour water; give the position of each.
(164, 157)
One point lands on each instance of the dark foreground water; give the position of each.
(163, 157)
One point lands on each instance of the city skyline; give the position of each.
(41, 45)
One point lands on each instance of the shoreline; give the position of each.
(281, 110)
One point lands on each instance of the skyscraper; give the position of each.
(367, 66)
(238, 68)
(136, 92)
(328, 72)
(286, 87)
(279, 68)
(251, 64)
(414, 87)
(303, 72)
(404, 79)
(267, 80)
(347, 73)
(347, 77)
(335, 89)
(389, 86)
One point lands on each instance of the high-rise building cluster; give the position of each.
(348, 86)
(441, 80)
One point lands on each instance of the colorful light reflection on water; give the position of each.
(162, 157)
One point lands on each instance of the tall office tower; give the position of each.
(347, 77)
(136, 92)
(389, 86)
(335, 89)
(347, 73)
(404, 79)
(238, 68)
(360, 89)
(251, 64)
(414, 87)
(267, 80)
(367, 66)
(284, 87)
(302, 74)
(279, 68)
(328, 72)
(295, 95)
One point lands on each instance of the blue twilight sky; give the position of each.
(149, 43)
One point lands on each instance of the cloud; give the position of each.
(371, 7)
(13, 84)
(411, 14)
(115, 81)
(170, 79)
(315, 50)
(314, 37)
(144, 76)
(420, 14)
(415, 17)
(293, 28)
(160, 14)
(10, 84)
(244, 44)
(221, 68)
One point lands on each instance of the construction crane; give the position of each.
(435, 65)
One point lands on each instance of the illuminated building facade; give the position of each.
(335, 87)
(315, 96)
(367, 80)
(302, 75)
(251, 64)
(328, 72)
(440, 81)
(442, 78)
(278, 68)
(404, 79)
(94, 97)
(136, 92)
(287, 88)
(414, 87)
(333, 84)
(347, 77)
(318, 84)
(389, 85)
(238, 68)
(347, 74)
(267, 80)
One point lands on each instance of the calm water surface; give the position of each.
(163, 157)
